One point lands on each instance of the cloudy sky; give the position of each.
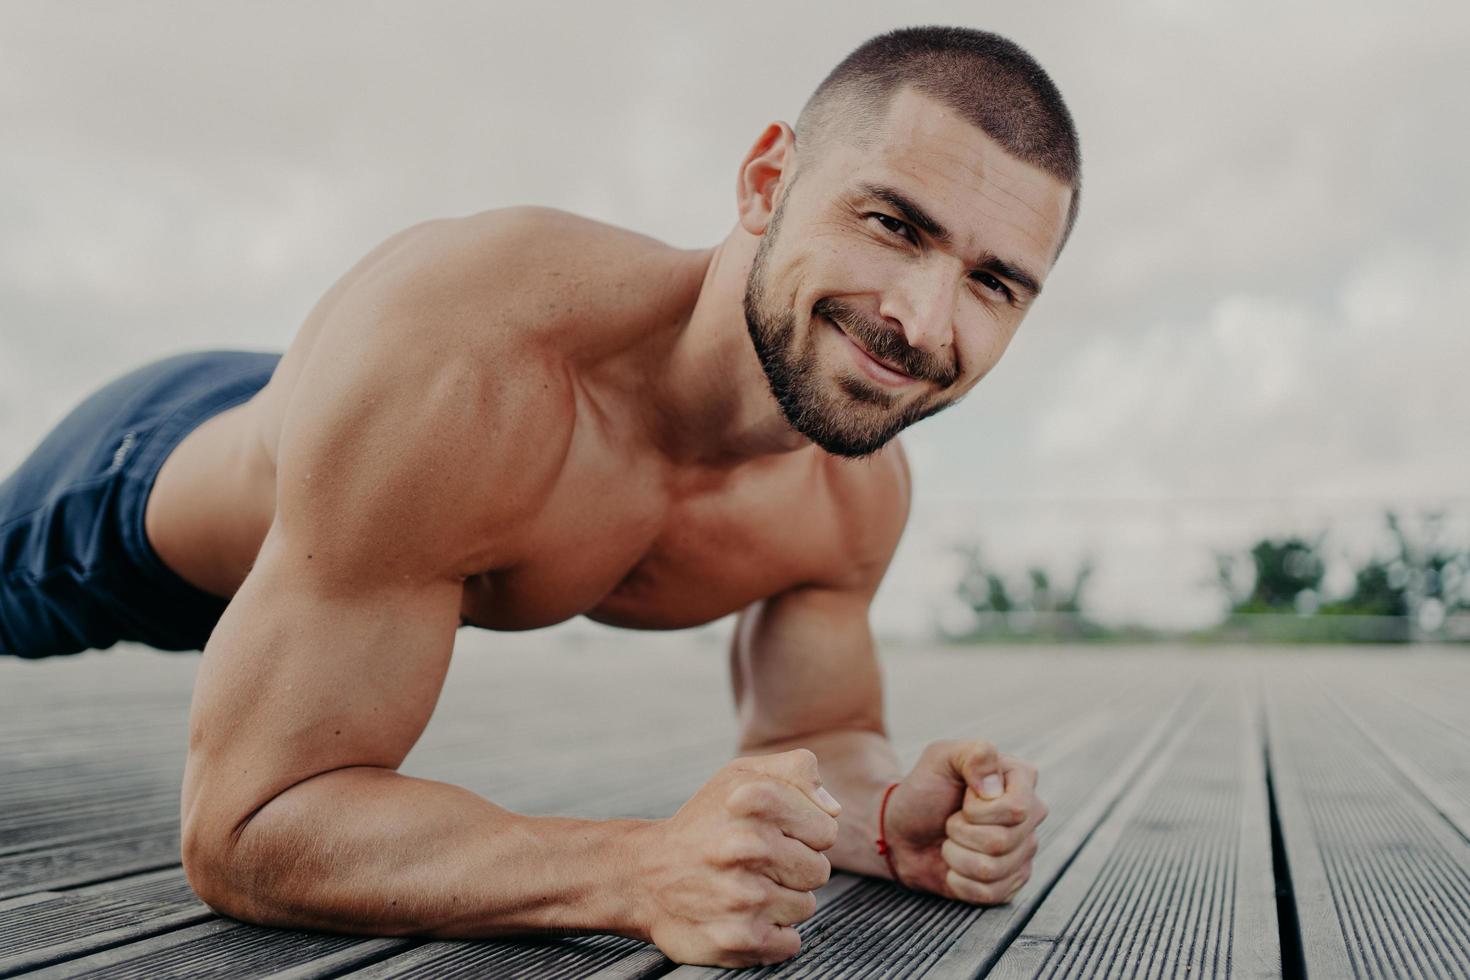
(1258, 325)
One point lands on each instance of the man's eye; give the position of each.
(990, 282)
(894, 225)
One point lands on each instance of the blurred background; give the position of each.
(1239, 412)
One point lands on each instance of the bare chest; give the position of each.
(634, 558)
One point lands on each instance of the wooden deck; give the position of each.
(1252, 814)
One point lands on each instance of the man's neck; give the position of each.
(710, 402)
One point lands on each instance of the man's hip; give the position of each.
(76, 569)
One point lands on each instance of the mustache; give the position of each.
(888, 344)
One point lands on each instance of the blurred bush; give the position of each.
(1418, 590)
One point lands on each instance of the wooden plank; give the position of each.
(1426, 775)
(1176, 880)
(1381, 881)
(221, 947)
(540, 730)
(1432, 758)
(51, 927)
(128, 852)
(578, 956)
(1256, 949)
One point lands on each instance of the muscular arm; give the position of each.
(401, 467)
(809, 678)
(805, 673)
(962, 823)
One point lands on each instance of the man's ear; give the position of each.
(764, 173)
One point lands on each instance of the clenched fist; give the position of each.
(963, 823)
(723, 881)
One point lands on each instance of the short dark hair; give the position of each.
(984, 77)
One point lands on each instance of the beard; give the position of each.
(857, 418)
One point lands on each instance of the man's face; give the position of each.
(923, 250)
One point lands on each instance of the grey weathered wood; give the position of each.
(68, 865)
(1382, 882)
(1255, 949)
(1370, 753)
(572, 957)
(1176, 880)
(223, 948)
(1432, 758)
(51, 927)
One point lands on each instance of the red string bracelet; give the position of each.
(882, 840)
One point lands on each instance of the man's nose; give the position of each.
(923, 304)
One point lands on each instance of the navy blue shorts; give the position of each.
(76, 570)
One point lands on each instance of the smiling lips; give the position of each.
(877, 370)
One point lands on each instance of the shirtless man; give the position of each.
(518, 417)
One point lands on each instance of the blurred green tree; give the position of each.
(1031, 609)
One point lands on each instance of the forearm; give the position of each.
(366, 850)
(857, 766)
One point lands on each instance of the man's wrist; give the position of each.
(634, 914)
(603, 859)
(882, 843)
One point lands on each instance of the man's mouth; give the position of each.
(874, 367)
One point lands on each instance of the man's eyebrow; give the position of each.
(914, 214)
(1006, 270)
(922, 220)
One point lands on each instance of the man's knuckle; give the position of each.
(987, 869)
(804, 762)
(753, 797)
(971, 865)
(735, 938)
(740, 850)
(984, 839)
(942, 747)
(821, 871)
(780, 945)
(964, 888)
(807, 874)
(746, 897)
(825, 832)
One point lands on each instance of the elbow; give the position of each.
(225, 866)
(214, 867)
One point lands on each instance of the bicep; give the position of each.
(303, 677)
(804, 660)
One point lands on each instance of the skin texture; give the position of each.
(479, 400)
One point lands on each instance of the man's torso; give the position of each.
(625, 535)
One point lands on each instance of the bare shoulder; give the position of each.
(561, 272)
(430, 377)
(443, 364)
(871, 499)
